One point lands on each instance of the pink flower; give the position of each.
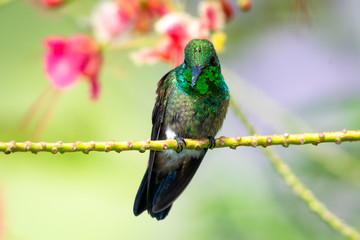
(146, 12)
(69, 58)
(114, 19)
(212, 15)
(178, 29)
(109, 20)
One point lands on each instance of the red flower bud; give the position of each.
(245, 5)
(53, 3)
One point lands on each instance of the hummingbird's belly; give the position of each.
(196, 120)
(170, 160)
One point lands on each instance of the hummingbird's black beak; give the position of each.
(196, 70)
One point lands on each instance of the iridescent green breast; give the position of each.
(197, 112)
(210, 82)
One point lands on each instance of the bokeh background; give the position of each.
(290, 71)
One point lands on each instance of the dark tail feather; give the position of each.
(140, 199)
(162, 214)
(171, 187)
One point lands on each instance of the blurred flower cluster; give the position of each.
(112, 20)
(158, 30)
(178, 28)
(118, 23)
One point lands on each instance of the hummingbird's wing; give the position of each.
(158, 113)
(158, 116)
(142, 199)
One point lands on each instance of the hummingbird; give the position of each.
(192, 101)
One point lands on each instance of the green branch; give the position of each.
(290, 178)
(159, 145)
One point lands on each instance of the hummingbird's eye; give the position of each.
(185, 61)
(213, 60)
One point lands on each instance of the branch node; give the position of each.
(286, 135)
(107, 148)
(238, 138)
(165, 146)
(321, 135)
(301, 141)
(54, 150)
(130, 144)
(8, 150)
(338, 141)
(13, 145)
(27, 146)
(268, 140)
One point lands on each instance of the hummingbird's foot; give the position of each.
(212, 142)
(181, 142)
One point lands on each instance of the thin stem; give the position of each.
(34, 108)
(308, 197)
(40, 126)
(298, 187)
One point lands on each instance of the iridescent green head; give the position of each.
(200, 54)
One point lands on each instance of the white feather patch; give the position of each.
(173, 155)
(170, 133)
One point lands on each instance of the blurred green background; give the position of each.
(289, 75)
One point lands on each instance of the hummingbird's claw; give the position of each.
(212, 142)
(181, 142)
